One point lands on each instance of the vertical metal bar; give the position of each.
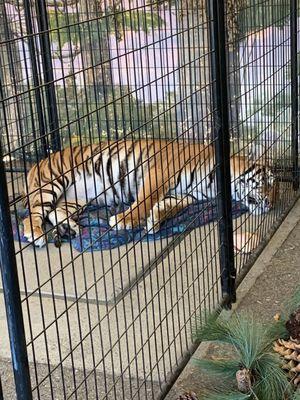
(222, 147)
(43, 25)
(1, 390)
(35, 75)
(9, 274)
(294, 93)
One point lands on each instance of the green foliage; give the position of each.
(140, 20)
(292, 304)
(114, 115)
(105, 110)
(249, 338)
(227, 396)
(261, 14)
(278, 329)
(271, 378)
(225, 367)
(64, 28)
(297, 395)
(251, 343)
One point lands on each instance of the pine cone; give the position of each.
(293, 325)
(289, 351)
(188, 396)
(244, 380)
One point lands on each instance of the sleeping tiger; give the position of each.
(157, 177)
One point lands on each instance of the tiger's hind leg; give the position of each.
(153, 189)
(164, 209)
(64, 220)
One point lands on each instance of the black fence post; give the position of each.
(43, 25)
(222, 147)
(9, 274)
(294, 93)
(35, 76)
(1, 391)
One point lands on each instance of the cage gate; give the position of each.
(148, 152)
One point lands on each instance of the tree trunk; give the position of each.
(94, 45)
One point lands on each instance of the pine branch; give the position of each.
(227, 396)
(248, 337)
(292, 304)
(226, 368)
(296, 395)
(271, 378)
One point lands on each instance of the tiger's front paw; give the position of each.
(68, 229)
(35, 235)
(153, 223)
(124, 221)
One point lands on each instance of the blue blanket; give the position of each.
(97, 235)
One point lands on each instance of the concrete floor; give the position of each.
(144, 321)
(82, 320)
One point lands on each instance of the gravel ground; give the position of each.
(56, 390)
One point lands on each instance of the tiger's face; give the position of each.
(257, 188)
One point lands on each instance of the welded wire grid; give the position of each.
(116, 323)
(112, 323)
(259, 54)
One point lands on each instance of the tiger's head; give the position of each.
(257, 188)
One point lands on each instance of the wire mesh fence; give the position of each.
(149, 149)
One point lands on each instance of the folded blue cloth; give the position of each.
(96, 234)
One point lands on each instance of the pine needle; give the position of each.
(252, 342)
(277, 330)
(291, 305)
(227, 368)
(248, 337)
(296, 395)
(271, 378)
(228, 396)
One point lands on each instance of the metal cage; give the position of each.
(165, 112)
